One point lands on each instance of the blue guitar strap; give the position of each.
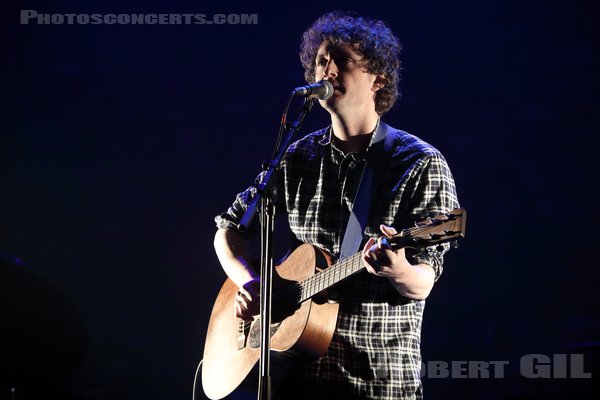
(373, 168)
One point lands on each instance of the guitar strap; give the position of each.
(372, 171)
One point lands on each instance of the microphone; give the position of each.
(322, 90)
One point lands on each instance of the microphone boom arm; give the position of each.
(264, 187)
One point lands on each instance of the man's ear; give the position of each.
(380, 82)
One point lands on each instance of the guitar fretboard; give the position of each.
(433, 231)
(330, 276)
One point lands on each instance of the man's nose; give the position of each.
(330, 70)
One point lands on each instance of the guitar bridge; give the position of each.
(241, 336)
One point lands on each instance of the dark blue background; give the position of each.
(121, 142)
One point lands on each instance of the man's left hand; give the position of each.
(381, 260)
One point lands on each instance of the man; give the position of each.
(375, 351)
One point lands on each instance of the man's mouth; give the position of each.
(337, 87)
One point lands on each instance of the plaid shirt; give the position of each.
(375, 351)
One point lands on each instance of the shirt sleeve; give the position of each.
(231, 218)
(434, 193)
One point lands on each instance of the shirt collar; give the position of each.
(326, 139)
(328, 132)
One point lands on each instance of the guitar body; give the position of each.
(300, 323)
(230, 352)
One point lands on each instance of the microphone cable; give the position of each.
(196, 380)
(282, 125)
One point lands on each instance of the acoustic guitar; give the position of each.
(302, 318)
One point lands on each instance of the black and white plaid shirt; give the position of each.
(375, 351)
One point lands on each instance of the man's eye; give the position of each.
(321, 62)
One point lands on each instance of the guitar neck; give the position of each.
(432, 231)
(330, 276)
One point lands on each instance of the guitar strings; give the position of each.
(314, 283)
(317, 282)
(335, 273)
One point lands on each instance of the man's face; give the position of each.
(354, 87)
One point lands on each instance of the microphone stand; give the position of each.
(264, 197)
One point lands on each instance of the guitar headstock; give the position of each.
(431, 231)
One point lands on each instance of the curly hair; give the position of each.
(373, 39)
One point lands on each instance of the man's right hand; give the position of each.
(247, 300)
